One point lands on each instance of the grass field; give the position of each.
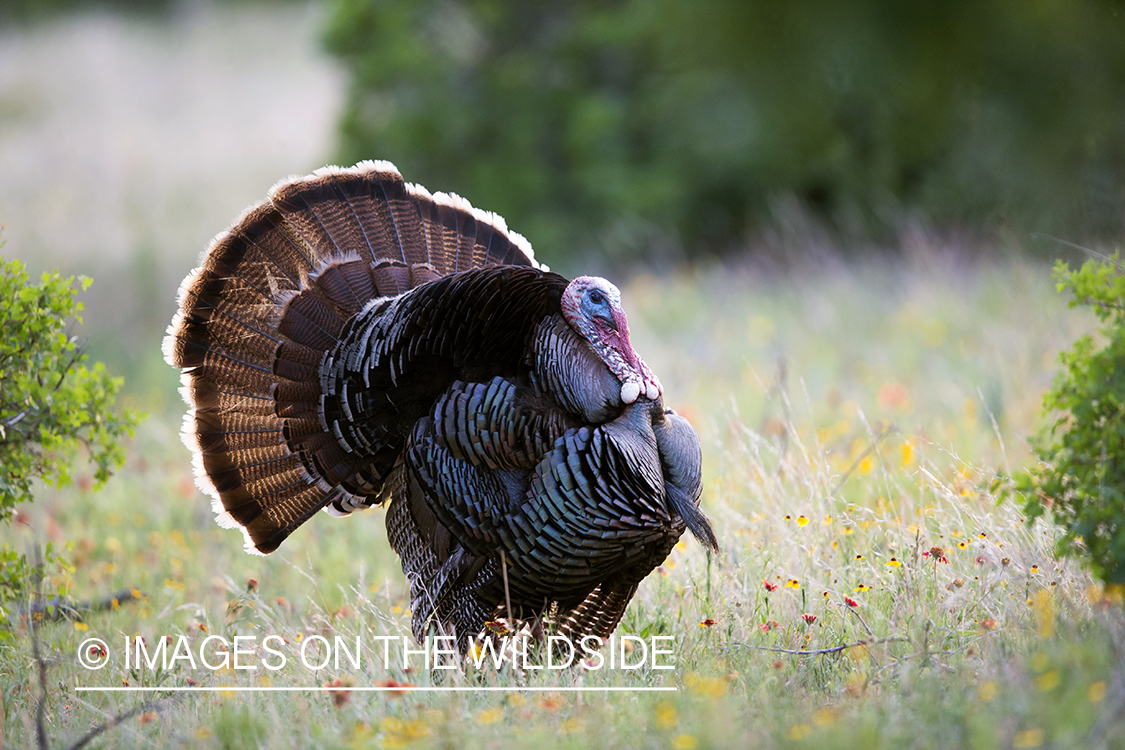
(853, 417)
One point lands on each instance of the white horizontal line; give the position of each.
(373, 689)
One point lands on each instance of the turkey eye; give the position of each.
(597, 297)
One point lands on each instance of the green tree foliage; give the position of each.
(50, 401)
(1081, 480)
(603, 125)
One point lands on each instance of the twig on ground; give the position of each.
(33, 620)
(815, 651)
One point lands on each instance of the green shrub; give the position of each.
(612, 126)
(1081, 479)
(51, 403)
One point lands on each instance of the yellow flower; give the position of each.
(894, 563)
(1028, 738)
(792, 583)
(489, 716)
(802, 521)
(986, 691)
(799, 732)
(666, 715)
(907, 453)
(684, 742)
(1096, 693)
(1034, 568)
(81, 626)
(1047, 681)
(861, 588)
(860, 557)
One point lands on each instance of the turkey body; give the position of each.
(356, 341)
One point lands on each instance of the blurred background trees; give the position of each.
(628, 127)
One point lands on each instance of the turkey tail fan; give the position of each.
(271, 296)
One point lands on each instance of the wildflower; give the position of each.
(81, 625)
(958, 582)
(894, 563)
(489, 716)
(1004, 562)
(769, 585)
(1028, 738)
(666, 715)
(860, 557)
(988, 623)
(149, 716)
(982, 535)
(792, 583)
(1034, 569)
(827, 520)
(340, 696)
(550, 702)
(809, 619)
(861, 588)
(825, 594)
(788, 517)
(251, 585)
(707, 623)
(987, 691)
(394, 684)
(768, 625)
(799, 732)
(684, 742)
(907, 453)
(962, 545)
(497, 627)
(850, 602)
(1096, 693)
(1047, 681)
(802, 521)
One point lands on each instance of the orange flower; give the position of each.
(497, 627)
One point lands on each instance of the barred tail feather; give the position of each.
(272, 295)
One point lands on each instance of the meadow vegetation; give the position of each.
(872, 589)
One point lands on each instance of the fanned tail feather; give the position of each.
(271, 296)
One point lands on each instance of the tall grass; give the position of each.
(853, 420)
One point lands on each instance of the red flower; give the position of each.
(850, 602)
(770, 586)
(767, 626)
(810, 619)
(395, 684)
(708, 623)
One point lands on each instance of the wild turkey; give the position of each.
(355, 340)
